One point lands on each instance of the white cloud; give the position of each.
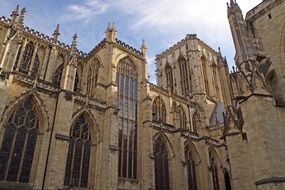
(172, 18)
(85, 11)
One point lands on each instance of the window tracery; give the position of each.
(158, 110)
(191, 168)
(185, 83)
(169, 77)
(126, 80)
(206, 82)
(35, 66)
(78, 156)
(92, 78)
(214, 170)
(57, 76)
(27, 56)
(161, 165)
(19, 142)
(181, 116)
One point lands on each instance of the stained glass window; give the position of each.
(169, 77)
(126, 80)
(27, 56)
(158, 110)
(161, 165)
(184, 74)
(214, 170)
(18, 145)
(78, 156)
(57, 76)
(191, 170)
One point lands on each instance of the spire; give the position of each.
(21, 18)
(74, 44)
(14, 15)
(143, 48)
(111, 32)
(55, 35)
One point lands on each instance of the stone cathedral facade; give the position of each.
(74, 120)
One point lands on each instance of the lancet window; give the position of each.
(206, 82)
(169, 77)
(126, 80)
(214, 170)
(191, 168)
(57, 76)
(78, 156)
(185, 83)
(158, 110)
(27, 57)
(181, 116)
(19, 142)
(161, 165)
(92, 78)
(35, 66)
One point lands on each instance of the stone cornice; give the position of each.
(257, 11)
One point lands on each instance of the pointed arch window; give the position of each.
(57, 76)
(158, 110)
(195, 120)
(35, 66)
(126, 80)
(184, 74)
(92, 78)
(78, 157)
(161, 165)
(76, 82)
(214, 170)
(169, 77)
(191, 168)
(204, 68)
(27, 56)
(181, 116)
(19, 142)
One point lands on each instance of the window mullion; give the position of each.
(81, 162)
(23, 154)
(71, 182)
(10, 154)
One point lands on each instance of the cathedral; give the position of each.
(75, 120)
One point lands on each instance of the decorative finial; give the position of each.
(14, 15)
(55, 34)
(143, 44)
(113, 27)
(74, 43)
(21, 18)
(111, 32)
(143, 48)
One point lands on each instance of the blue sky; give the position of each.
(161, 23)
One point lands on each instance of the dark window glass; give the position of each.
(127, 102)
(184, 74)
(181, 116)
(92, 78)
(78, 156)
(161, 165)
(191, 170)
(18, 146)
(169, 77)
(158, 110)
(35, 66)
(214, 170)
(27, 56)
(57, 76)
